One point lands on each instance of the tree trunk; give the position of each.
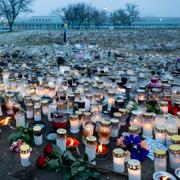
(11, 26)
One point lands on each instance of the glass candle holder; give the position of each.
(20, 119)
(45, 107)
(160, 135)
(123, 117)
(111, 99)
(86, 116)
(74, 124)
(25, 155)
(175, 139)
(90, 147)
(29, 111)
(1, 112)
(61, 140)
(160, 121)
(70, 104)
(174, 156)
(141, 96)
(169, 133)
(52, 108)
(134, 169)
(6, 75)
(61, 105)
(164, 106)
(160, 160)
(88, 130)
(178, 115)
(37, 133)
(37, 112)
(134, 130)
(136, 119)
(148, 125)
(9, 103)
(104, 131)
(115, 127)
(119, 160)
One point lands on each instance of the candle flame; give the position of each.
(72, 142)
(5, 121)
(164, 178)
(100, 148)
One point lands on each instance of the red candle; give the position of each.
(101, 149)
(72, 142)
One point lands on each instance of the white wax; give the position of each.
(164, 109)
(29, 114)
(134, 174)
(159, 164)
(147, 130)
(90, 150)
(114, 132)
(168, 140)
(20, 120)
(87, 104)
(160, 137)
(37, 117)
(25, 159)
(174, 160)
(52, 108)
(45, 110)
(38, 140)
(61, 143)
(74, 126)
(111, 101)
(118, 164)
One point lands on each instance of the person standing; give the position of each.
(65, 27)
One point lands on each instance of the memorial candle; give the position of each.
(134, 169)
(74, 124)
(20, 119)
(25, 155)
(37, 131)
(160, 135)
(61, 140)
(164, 106)
(174, 156)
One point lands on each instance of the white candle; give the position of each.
(61, 140)
(20, 119)
(118, 160)
(6, 75)
(147, 126)
(90, 148)
(37, 113)
(134, 170)
(1, 113)
(169, 133)
(38, 140)
(160, 160)
(29, 111)
(111, 99)
(115, 127)
(174, 156)
(25, 155)
(88, 129)
(160, 135)
(74, 124)
(52, 108)
(45, 108)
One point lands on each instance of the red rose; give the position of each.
(41, 161)
(48, 149)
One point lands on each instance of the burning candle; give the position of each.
(9, 103)
(90, 148)
(5, 122)
(20, 119)
(160, 135)
(118, 160)
(37, 112)
(136, 119)
(115, 127)
(134, 169)
(111, 99)
(74, 124)
(61, 140)
(164, 106)
(1, 113)
(148, 125)
(29, 111)
(174, 156)
(70, 103)
(45, 108)
(123, 117)
(169, 133)
(160, 160)
(71, 142)
(38, 140)
(25, 155)
(6, 75)
(101, 150)
(104, 131)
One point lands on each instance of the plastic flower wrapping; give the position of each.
(135, 145)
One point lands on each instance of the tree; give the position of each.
(10, 9)
(125, 16)
(132, 13)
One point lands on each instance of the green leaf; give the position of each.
(53, 163)
(85, 157)
(15, 136)
(69, 155)
(56, 151)
(96, 175)
(84, 176)
(76, 164)
(26, 138)
(74, 171)
(81, 168)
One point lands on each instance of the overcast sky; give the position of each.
(146, 7)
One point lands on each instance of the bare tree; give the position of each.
(10, 9)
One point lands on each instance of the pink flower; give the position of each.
(144, 145)
(120, 142)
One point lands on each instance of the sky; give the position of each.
(160, 8)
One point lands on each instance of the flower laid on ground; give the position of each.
(42, 161)
(135, 145)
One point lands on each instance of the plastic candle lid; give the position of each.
(37, 128)
(24, 148)
(61, 131)
(114, 121)
(91, 140)
(134, 164)
(118, 152)
(117, 114)
(123, 111)
(160, 153)
(175, 139)
(175, 149)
